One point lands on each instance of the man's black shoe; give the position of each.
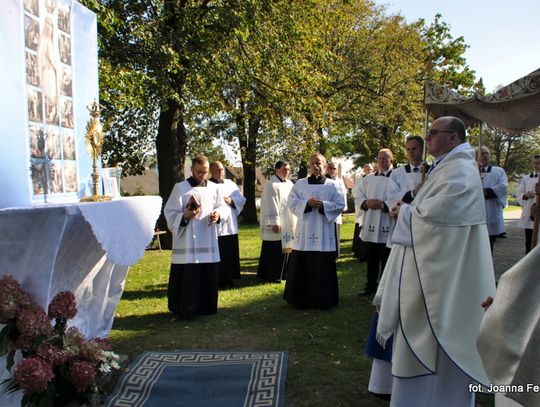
(367, 293)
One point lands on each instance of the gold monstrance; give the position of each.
(94, 142)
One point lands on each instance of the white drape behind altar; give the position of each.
(515, 107)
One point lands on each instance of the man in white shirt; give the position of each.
(372, 197)
(526, 196)
(229, 250)
(405, 180)
(276, 225)
(332, 173)
(358, 246)
(312, 277)
(192, 212)
(495, 184)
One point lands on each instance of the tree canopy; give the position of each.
(271, 78)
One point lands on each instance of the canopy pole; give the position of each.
(479, 155)
(423, 169)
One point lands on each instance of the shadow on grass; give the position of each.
(158, 292)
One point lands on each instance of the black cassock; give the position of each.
(193, 289)
(230, 259)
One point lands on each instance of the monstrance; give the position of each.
(94, 142)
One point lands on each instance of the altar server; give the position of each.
(495, 184)
(372, 197)
(358, 246)
(445, 270)
(332, 173)
(277, 225)
(229, 251)
(526, 196)
(404, 183)
(405, 180)
(192, 211)
(317, 201)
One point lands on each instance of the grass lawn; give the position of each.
(326, 368)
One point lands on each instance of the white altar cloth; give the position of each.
(86, 248)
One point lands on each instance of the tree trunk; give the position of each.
(247, 138)
(171, 144)
(302, 169)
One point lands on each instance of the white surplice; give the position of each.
(229, 223)
(495, 178)
(197, 241)
(527, 184)
(376, 222)
(402, 182)
(315, 231)
(339, 181)
(274, 211)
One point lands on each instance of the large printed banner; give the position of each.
(48, 77)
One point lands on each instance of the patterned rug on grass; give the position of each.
(203, 379)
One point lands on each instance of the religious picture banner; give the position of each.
(48, 76)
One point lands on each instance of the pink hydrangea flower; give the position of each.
(32, 375)
(52, 354)
(81, 375)
(63, 306)
(12, 297)
(32, 322)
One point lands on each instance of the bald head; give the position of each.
(317, 164)
(217, 170)
(444, 134)
(384, 159)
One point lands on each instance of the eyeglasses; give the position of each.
(434, 132)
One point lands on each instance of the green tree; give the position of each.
(159, 46)
(374, 85)
(254, 91)
(509, 150)
(444, 56)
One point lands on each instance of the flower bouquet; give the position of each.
(59, 366)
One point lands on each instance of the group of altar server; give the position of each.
(298, 226)
(298, 230)
(433, 277)
(438, 273)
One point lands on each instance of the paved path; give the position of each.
(509, 251)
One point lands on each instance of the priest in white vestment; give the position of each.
(495, 184)
(404, 183)
(316, 201)
(277, 225)
(509, 341)
(444, 271)
(526, 196)
(229, 250)
(192, 212)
